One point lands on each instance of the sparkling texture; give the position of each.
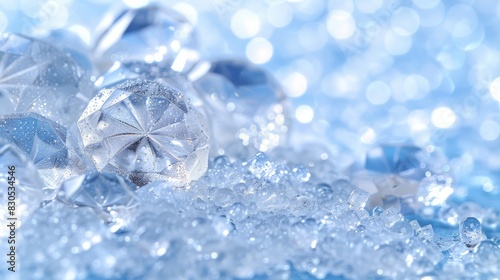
(27, 183)
(43, 140)
(246, 104)
(152, 34)
(146, 131)
(390, 170)
(259, 207)
(230, 211)
(37, 77)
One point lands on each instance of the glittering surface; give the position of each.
(389, 169)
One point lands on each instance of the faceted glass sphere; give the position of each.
(37, 77)
(151, 34)
(145, 130)
(245, 103)
(43, 140)
(24, 177)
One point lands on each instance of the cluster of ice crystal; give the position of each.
(239, 221)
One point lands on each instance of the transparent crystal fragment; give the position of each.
(246, 104)
(426, 232)
(153, 34)
(377, 211)
(102, 191)
(43, 140)
(444, 243)
(28, 186)
(403, 230)
(358, 199)
(471, 232)
(146, 131)
(37, 77)
(415, 225)
(391, 216)
(458, 250)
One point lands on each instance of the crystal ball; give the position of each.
(246, 104)
(147, 131)
(43, 141)
(152, 34)
(37, 77)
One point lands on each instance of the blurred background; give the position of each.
(358, 73)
